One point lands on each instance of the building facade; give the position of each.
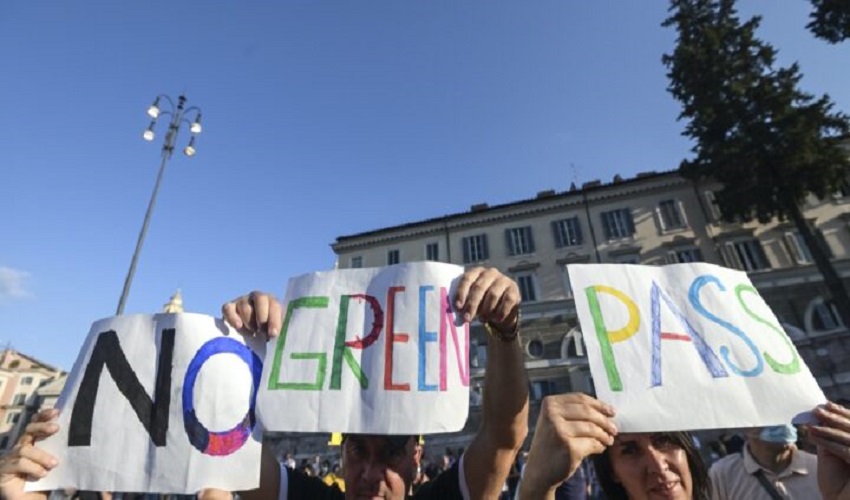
(26, 386)
(652, 219)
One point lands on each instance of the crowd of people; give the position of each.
(575, 444)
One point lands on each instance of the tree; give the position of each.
(830, 20)
(767, 142)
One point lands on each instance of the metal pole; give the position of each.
(167, 149)
(129, 279)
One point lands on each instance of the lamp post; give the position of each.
(178, 118)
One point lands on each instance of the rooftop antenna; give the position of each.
(574, 170)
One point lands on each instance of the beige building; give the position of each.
(654, 218)
(26, 386)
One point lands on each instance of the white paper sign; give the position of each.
(158, 403)
(688, 346)
(375, 351)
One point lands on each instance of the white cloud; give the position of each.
(13, 284)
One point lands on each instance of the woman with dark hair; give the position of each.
(619, 467)
(572, 427)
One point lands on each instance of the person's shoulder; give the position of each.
(729, 462)
(805, 458)
(445, 486)
(303, 487)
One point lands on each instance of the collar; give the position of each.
(798, 464)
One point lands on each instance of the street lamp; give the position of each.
(178, 117)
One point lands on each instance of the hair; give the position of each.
(699, 473)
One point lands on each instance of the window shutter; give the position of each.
(671, 258)
(630, 223)
(485, 251)
(530, 239)
(711, 202)
(577, 227)
(684, 218)
(559, 236)
(698, 255)
(509, 242)
(660, 217)
(606, 228)
(730, 256)
(465, 242)
(793, 249)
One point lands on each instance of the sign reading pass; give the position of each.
(688, 346)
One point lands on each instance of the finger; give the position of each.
(587, 430)
(827, 417)
(40, 430)
(824, 445)
(260, 301)
(45, 415)
(838, 409)
(231, 315)
(477, 291)
(275, 318)
(584, 399)
(24, 467)
(508, 308)
(38, 456)
(493, 297)
(463, 286)
(569, 411)
(840, 437)
(245, 309)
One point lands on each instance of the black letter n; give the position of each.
(153, 414)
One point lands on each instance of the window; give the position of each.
(475, 248)
(19, 400)
(534, 348)
(567, 232)
(568, 286)
(432, 251)
(12, 418)
(629, 258)
(526, 287)
(519, 240)
(713, 206)
(746, 255)
(26, 381)
(826, 316)
(843, 190)
(618, 224)
(541, 388)
(684, 255)
(392, 257)
(671, 215)
(797, 247)
(356, 262)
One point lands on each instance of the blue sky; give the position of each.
(320, 119)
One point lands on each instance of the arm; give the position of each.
(25, 461)
(269, 478)
(494, 298)
(832, 435)
(570, 428)
(258, 312)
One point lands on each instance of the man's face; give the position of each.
(374, 468)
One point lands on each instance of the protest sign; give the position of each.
(688, 346)
(369, 351)
(158, 403)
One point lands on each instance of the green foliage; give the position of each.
(830, 20)
(768, 142)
